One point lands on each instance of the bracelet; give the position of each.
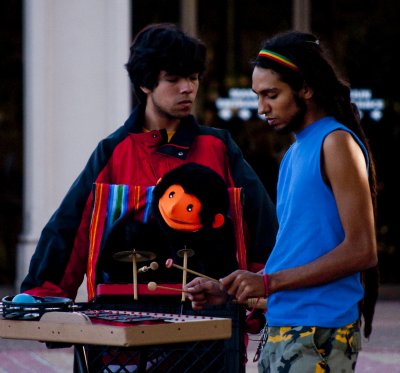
(266, 284)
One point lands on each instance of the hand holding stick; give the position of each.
(257, 303)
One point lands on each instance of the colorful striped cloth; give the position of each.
(113, 201)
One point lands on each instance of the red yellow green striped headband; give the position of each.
(278, 58)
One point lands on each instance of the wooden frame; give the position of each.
(77, 328)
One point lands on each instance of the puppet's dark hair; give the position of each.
(202, 182)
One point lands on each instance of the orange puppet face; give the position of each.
(180, 210)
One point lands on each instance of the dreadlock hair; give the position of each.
(299, 60)
(165, 47)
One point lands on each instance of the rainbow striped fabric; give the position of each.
(113, 201)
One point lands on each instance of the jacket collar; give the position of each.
(180, 143)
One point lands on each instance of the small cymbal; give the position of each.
(182, 252)
(141, 256)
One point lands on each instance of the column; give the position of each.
(301, 16)
(76, 91)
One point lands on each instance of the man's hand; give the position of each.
(239, 284)
(202, 291)
(243, 285)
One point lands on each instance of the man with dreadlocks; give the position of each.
(325, 207)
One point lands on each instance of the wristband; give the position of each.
(266, 284)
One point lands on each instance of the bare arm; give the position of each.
(345, 171)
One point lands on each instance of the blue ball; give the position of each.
(24, 298)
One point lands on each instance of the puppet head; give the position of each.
(190, 198)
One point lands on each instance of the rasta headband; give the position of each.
(278, 58)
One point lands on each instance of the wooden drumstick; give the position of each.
(184, 274)
(257, 303)
(153, 286)
(170, 263)
(135, 273)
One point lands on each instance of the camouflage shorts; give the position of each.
(305, 349)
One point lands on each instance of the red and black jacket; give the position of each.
(131, 156)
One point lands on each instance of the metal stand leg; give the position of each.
(80, 360)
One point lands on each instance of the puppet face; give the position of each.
(180, 210)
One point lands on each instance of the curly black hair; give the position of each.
(164, 47)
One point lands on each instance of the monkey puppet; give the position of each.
(189, 210)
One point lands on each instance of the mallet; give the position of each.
(257, 303)
(170, 263)
(153, 286)
(153, 266)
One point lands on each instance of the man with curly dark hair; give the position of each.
(165, 67)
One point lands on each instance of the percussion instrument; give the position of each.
(135, 257)
(140, 329)
(104, 334)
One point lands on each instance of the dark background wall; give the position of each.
(10, 135)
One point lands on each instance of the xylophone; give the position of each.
(111, 337)
(157, 334)
(117, 328)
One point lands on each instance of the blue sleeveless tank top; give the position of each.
(309, 227)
